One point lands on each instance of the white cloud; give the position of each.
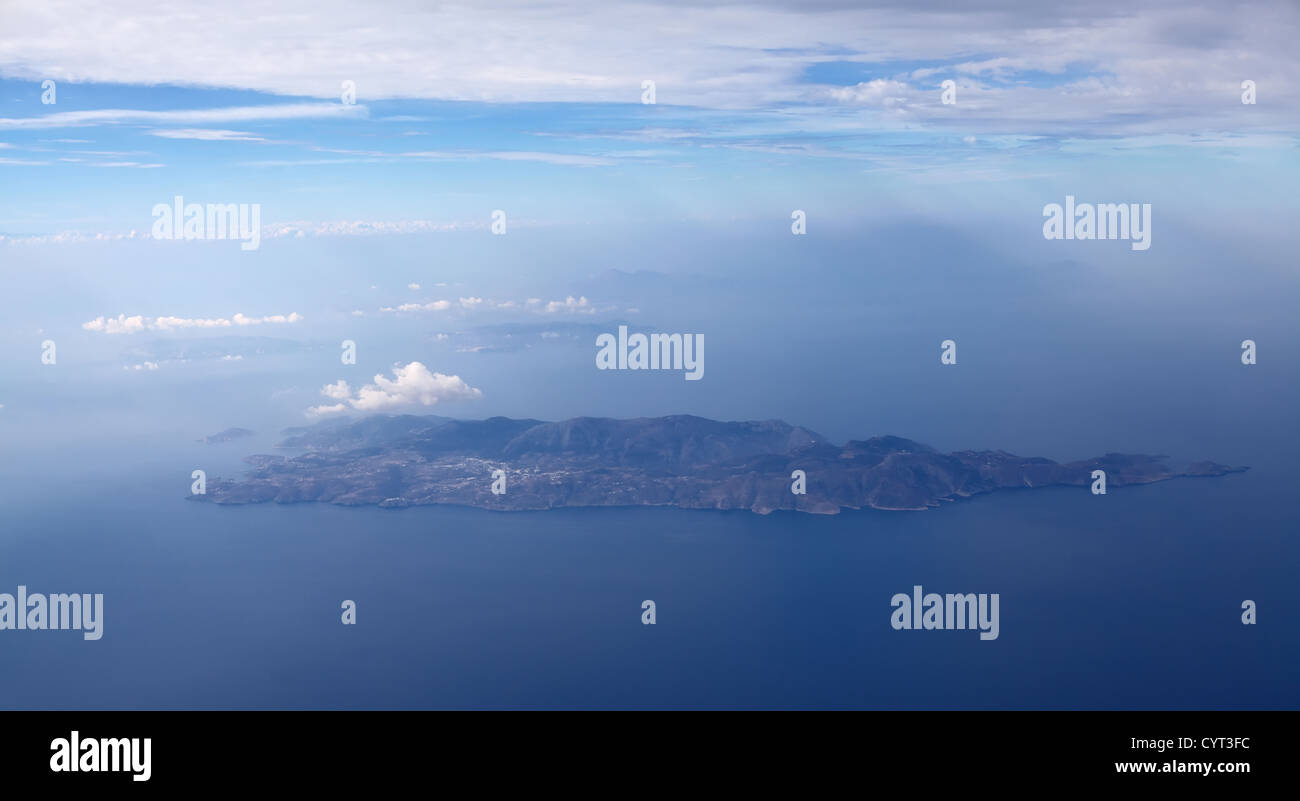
(282, 230)
(276, 319)
(119, 164)
(879, 92)
(1168, 59)
(321, 411)
(568, 304)
(131, 325)
(565, 159)
(339, 390)
(172, 323)
(572, 305)
(436, 305)
(121, 325)
(68, 119)
(411, 385)
(413, 286)
(298, 229)
(207, 135)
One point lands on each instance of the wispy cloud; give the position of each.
(207, 135)
(379, 156)
(294, 111)
(566, 159)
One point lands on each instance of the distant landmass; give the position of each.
(227, 435)
(684, 461)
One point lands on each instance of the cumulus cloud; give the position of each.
(171, 323)
(437, 305)
(411, 385)
(121, 325)
(278, 319)
(339, 390)
(568, 304)
(131, 325)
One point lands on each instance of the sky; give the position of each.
(380, 149)
(537, 110)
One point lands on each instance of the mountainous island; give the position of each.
(229, 435)
(684, 461)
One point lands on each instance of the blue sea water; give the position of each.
(1128, 600)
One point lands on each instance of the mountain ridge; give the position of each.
(675, 460)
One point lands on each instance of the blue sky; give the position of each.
(759, 109)
(375, 216)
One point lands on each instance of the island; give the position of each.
(227, 435)
(681, 460)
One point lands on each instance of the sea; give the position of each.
(1132, 600)
(1128, 600)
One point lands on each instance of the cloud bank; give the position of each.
(1021, 65)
